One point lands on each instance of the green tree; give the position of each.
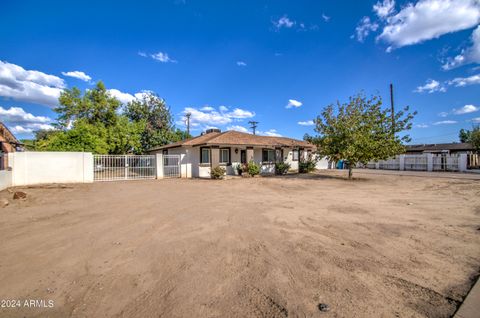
(95, 106)
(125, 136)
(154, 112)
(360, 131)
(464, 135)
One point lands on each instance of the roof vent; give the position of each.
(212, 130)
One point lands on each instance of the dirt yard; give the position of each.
(380, 246)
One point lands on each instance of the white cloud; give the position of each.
(239, 113)
(429, 19)
(78, 74)
(270, 132)
(443, 114)
(475, 120)
(325, 17)
(364, 28)
(468, 55)
(241, 63)
(467, 109)
(445, 122)
(29, 86)
(159, 56)
(430, 86)
(207, 108)
(384, 9)
(238, 128)
(21, 122)
(162, 57)
(306, 123)
(283, 22)
(208, 116)
(293, 103)
(124, 98)
(465, 81)
(421, 126)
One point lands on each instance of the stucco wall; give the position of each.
(5, 179)
(50, 167)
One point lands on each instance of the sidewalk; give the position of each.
(451, 175)
(471, 305)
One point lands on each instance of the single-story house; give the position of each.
(8, 143)
(447, 148)
(230, 148)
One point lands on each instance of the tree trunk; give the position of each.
(350, 172)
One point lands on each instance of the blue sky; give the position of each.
(228, 62)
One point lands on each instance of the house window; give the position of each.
(268, 155)
(295, 155)
(204, 155)
(225, 155)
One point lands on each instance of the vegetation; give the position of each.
(95, 122)
(240, 168)
(471, 136)
(253, 169)
(360, 131)
(281, 168)
(306, 165)
(218, 172)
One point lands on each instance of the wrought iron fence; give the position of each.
(124, 167)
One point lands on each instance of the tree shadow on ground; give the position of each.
(321, 176)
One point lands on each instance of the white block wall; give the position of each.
(50, 167)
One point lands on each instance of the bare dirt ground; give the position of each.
(381, 246)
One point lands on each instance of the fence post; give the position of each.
(377, 165)
(462, 162)
(401, 162)
(88, 167)
(429, 161)
(159, 162)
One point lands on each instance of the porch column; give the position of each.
(215, 156)
(159, 165)
(249, 154)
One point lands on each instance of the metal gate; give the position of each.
(124, 167)
(171, 166)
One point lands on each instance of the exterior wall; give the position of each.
(288, 157)
(50, 167)
(5, 179)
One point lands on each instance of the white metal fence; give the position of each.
(390, 164)
(444, 162)
(171, 166)
(124, 167)
(416, 162)
(473, 161)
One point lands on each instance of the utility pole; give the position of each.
(253, 125)
(393, 109)
(188, 123)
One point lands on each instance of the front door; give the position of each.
(243, 156)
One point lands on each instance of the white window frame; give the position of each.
(228, 155)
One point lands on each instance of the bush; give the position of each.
(281, 168)
(217, 172)
(306, 166)
(253, 169)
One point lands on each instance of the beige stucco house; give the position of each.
(230, 148)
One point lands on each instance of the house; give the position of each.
(447, 148)
(230, 148)
(8, 143)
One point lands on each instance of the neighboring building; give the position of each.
(230, 148)
(450, 148)
(8, 143)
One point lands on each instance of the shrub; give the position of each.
(281, 168)
(306, 166)
(253, 169)
(217, 172)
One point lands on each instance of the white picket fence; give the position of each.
(422, 162)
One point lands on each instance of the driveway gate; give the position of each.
(124, 167)
(171, 166)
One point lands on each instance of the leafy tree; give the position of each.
(154, 112)
(81, 137)
(464, 135)
(360, 131)
(125, 136)
(96, 106)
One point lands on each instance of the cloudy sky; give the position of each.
(228, 62)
